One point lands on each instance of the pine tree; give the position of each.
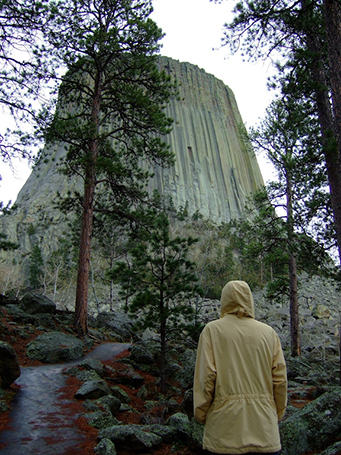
(5, 244)
(111, 113)
(303, 37)
(160, 281)
(291, 143)
(36, 268)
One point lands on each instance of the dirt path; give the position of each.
(40, 422)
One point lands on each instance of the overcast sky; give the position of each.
(193, 29)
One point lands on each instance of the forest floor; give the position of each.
(75, 406)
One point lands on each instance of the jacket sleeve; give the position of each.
(279, 379)
(204, 377)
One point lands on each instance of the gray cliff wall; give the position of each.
(214, 173)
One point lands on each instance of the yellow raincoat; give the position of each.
(240, 383)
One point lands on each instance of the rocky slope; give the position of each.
(121, 400)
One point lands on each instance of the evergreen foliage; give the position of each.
(6, 245)
(161, 280)
(291, 143)
(304, 38)
(289, 137)
(111, 111)
(36, 272)
(27, 70)
(213, 255)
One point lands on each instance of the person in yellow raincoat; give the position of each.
(240, 381)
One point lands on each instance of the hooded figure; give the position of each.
(240, 383)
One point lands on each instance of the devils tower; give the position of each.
(214, 172)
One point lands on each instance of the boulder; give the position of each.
(101, 419)
(335, 449)
(314, 427)
(34, 303)
(149, 335)
(54, 347)
(105, 447)
(120, 394)
(109, 403)
(5, 300)
(172, 405)
(90, 405)
(93, 389)
(321, 312)
(128, 376)
(154, 415)
(187, 403)
(93, 364)
(4, 406)
(133, 438)
(87, 375)
(119, 324)
(141, 354)
(196, 434)
(167, 433)
(185, 374)
(19, 316)
(138, 438)
(9, 365)
(147, 391)
(180, 422)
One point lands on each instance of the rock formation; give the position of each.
(213, 174)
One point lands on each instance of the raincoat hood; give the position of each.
(236, 298)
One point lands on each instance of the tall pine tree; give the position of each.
(303, 36)
(110, 114)
(290, 139)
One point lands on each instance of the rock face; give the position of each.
(214, 171)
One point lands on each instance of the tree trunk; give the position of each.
(82, 291)
(332, 10)
(330, 150)
(93, 286)
(163, 342)
(163, 357)
(81, 309)
(331, 147)
(111, 264)
(340, 348)
(294, 316)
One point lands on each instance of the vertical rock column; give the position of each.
(214, 172)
